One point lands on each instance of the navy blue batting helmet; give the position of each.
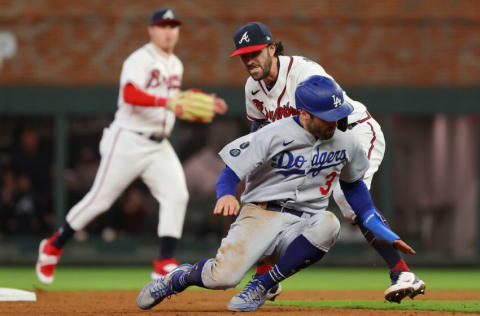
(323, 98)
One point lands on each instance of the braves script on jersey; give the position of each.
(156, 74)
(287, 163)
(279, 102)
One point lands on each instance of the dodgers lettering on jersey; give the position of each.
(279, 102)
(286, 163)
(286, 160)
(157, 74)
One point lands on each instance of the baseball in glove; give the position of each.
(194, 105)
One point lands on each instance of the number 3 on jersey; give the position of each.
(330, 179)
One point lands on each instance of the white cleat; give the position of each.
(274, 292)
(403, 285)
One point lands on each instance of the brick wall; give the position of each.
(386, 43)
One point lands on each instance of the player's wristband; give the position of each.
(162, 102)
(373, 222)
(226, 183)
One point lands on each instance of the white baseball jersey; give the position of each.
(157, 74)
(128, 152)
(279, 102)
(286, 163)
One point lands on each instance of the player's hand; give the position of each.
(228, 205)
(403, 247)
(220, 105)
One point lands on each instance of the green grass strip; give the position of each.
(327, 278)
(441, 306)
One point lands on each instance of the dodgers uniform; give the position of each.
(289, 167)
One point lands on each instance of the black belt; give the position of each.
(278, 208)
(155, 138)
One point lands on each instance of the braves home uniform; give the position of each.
(135, 145)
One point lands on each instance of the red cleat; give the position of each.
(163, 267)
(48, 257)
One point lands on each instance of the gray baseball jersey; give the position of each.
(286, 163)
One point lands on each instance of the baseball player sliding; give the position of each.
(270, 96)
(136, 145)
(290, 168)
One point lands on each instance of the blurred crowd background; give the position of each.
(415, 64)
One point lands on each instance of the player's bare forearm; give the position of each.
(228, 205)
(403, 247)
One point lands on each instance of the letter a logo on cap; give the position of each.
(168, 15)
(244, 38)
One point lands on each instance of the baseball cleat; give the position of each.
(249, 299)
(404, 284)
(157, 290)
(163, 267)
(274, 292)
(48, 258)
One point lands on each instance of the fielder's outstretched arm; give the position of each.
(358, 196)
(137, 97)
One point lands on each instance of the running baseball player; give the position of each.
(136, 145)
(291, 166)
(269, 96)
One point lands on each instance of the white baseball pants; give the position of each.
(127, 155)
(371, 137)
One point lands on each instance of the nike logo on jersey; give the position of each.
(255, 92)
(288, 143)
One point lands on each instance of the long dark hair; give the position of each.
(279, 49)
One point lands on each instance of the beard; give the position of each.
(265, 69)
(324, 133)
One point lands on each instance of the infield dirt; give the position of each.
(205, 302)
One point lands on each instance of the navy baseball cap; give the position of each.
(251, 37)
(323, 98)
(165, 16)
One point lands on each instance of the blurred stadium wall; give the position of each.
(414, 64)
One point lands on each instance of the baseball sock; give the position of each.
(64, 234)
(391, 256)
(167, 247)
(299, 255)
(193, 277)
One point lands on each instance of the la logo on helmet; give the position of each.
(336, 101)
(244, 38)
